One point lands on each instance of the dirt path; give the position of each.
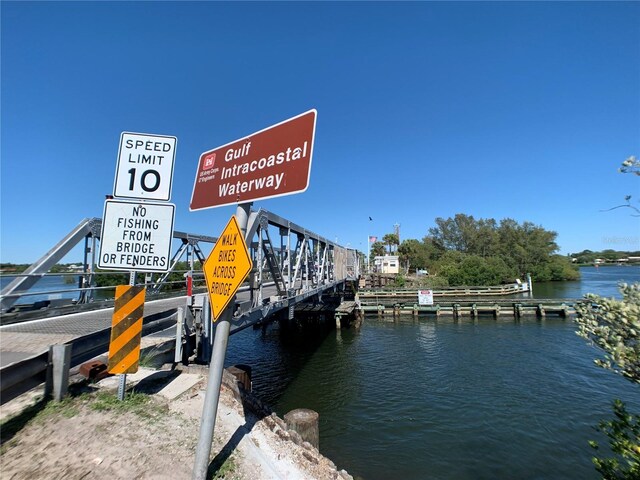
(154, 437)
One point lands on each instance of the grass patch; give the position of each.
(226, 471)
(134, 402)
(152, 358)
(69, 407)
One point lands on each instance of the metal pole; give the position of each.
(207, 426)
(83, 278)
(122, 385)
(208, 332)
(92, 267)
(368, 253)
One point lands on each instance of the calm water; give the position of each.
(601, 280)
(443, 400)
(46, 284)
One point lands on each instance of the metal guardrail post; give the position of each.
(177, 358)
(60, 363)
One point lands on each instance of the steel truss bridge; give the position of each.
(291, 265)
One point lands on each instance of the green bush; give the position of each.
(461, 269)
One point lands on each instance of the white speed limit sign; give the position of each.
(145, 166)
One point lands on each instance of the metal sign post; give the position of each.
(270, 163)
(216, 367)
(136, 236)
(122, 386)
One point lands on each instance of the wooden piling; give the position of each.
(243, 375)
(306, 423)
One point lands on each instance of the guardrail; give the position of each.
(53, 294)
(24, 375)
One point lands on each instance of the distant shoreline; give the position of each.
(607, 264)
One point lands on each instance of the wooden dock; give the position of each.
(516, 308)
(405, 302)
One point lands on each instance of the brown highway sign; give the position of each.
(270, 163)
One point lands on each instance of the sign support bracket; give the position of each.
(216, 367)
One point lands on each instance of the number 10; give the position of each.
(144, 180)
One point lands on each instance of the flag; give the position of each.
(372, 239)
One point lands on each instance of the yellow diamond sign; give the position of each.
(226, 267)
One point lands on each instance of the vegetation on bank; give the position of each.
(103, 278)
(469, 251)
(175, 281)
(16, 268)
(615, 328)
(589, 257)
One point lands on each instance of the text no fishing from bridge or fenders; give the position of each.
(270, 163)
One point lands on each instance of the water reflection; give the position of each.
(599, 280)
(437, 398)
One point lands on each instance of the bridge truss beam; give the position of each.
(312, 267)
(89, 230)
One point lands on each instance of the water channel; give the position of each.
(437, 399)
(426, 398)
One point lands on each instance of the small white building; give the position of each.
(386, 264)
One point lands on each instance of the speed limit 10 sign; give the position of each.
(145, 166)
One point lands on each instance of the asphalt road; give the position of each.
(22, 340)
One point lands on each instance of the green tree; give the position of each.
(110, 279)
(413, 254)
(462, 269)
(377, 249)
(457, 233)
(585, 256)
(434, 249)
(391, 240)
(614, 327)
(524, 248)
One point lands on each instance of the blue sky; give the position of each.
(425, 110)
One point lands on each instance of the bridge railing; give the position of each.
(291, 264)
(88, 231)
(20, 377)
(287, 258)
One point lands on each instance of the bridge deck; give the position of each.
(22, 340)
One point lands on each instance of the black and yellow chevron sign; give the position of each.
(126, 329)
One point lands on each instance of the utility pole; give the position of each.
(396, 230)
